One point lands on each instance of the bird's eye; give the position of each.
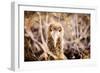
(50, 28)
(60, 29)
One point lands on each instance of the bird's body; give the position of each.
(55, 40)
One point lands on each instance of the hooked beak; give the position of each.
(55, 35)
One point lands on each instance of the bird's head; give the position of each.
(56, 31)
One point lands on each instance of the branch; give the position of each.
(43, 46)
(41, 32)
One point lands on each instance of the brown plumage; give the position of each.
(55, 40)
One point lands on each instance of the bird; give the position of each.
(55, 40)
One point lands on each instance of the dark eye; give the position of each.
(50, 28)
(60, 29)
